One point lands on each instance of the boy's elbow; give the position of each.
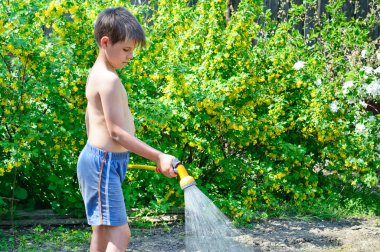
(115, 137)
(115, 133)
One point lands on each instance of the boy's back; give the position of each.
(102, 80)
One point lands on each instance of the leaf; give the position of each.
(52, 187)
(21, 193)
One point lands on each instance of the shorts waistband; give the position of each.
(99, 152)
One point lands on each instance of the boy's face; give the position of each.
(118, 54)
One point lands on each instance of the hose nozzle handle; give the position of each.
(185, 180)
(175, 164)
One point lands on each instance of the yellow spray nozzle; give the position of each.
(185, 179)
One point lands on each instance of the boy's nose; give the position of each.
(130, 56)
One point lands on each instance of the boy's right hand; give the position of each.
(165, 166)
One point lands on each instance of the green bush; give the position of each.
(260, 115)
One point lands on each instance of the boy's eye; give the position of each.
(126, 50)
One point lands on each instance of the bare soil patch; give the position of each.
(271, 235)
(277, 235)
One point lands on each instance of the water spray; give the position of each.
(207, 228)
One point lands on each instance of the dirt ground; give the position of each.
(276, 235)
(272, 235)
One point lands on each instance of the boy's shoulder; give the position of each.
(104, 78)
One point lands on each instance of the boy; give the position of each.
(103, 162)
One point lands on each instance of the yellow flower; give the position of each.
(1, 26)
(9, 167)
(73, 9)
(10, 47)
(298, 84)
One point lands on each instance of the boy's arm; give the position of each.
(87, 123)
(114, 115)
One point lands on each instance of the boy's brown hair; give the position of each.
(119, 25)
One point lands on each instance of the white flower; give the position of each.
(367, 69)
(318, 82)
(317, 168)
(327, 173)
(377, 70)
(363, 104)
(334, 106)
(348, 84)
(327, 162)
(359, 128)
(364, 53)
(373, 88)
(372, 119)
(378, 56)
(298, 65)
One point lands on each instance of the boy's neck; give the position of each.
(102, 60)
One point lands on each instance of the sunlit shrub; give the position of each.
(259, 114)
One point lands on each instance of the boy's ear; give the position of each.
(104, 41)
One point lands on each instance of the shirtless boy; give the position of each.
(103, 162)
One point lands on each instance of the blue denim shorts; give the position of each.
(100, 175)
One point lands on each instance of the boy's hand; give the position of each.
(164, 165)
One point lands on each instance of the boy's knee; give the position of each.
(119, 238)
(127, 232)
(99, 230)
(124, 230)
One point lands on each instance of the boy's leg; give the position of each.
(110, 238)
(99, 239)
(118, 238)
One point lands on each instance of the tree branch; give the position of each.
(8, 131)
(5, 62)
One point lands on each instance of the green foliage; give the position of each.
(261, 116)
(39, 238)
